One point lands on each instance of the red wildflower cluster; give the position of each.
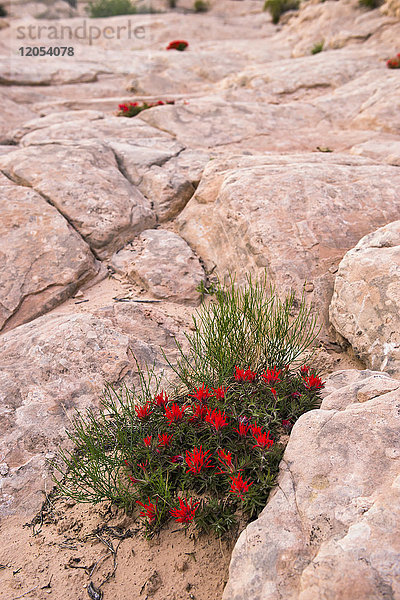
(312, 382)
(243, 429)
(216, 419)
(197, 460)
(244, 374)
(287, 425)
(174, 413)
(219, 393)
(239, 486)
(225, 460)
(394, 63)
(150, 510)
(304, 369)
(200, 411)
(271, 376)
(178, 45)
(186, 511)
(164, 440)
(147, 441)
(143, 411)
(263, 440)
(161, 399)
(131, 109)
(201, 393)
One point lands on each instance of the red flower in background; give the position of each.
(312, 382)
(239, 486)
(150, 510)
(394, 63)
(201, 393)
(255, 430)
(304, 370)
(225, 460)
(263, 440)
(271, 376)
(147, 441)
(142, 412)
(178, 45)
(243, 429)
(186, 511)
(216, 419)
(197, 460)
(287, 425)
(164, 440)
(161, 399)
(174, 413)
(244, 374)
(219, 392)
(199, 413)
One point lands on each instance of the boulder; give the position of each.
(164, 264)
(293, 215)
(81, 182)
(330, 529)
(43, 260)
(365, 307)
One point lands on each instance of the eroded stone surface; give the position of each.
(43, 260)
(365, 307)
(164, 263)
(84, 183)
(293, 215)
(329, 529)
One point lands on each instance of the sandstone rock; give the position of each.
(44, 261)
(382, 149)
(329, 530)
(55, 365)
(391, 7)
(293, 215)
(48, 71)
(81, 182)
(365, 306)
(12, 115)
(164, 263)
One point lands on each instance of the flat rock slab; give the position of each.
(164, 264)
(330, 529)
(293, 215)
(43, 260)
(55, 365)
(84, 183)
(53, 71)
(365, 307)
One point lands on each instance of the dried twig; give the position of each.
(26, 593)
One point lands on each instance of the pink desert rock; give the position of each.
(43, 260)
(164, 264)
(365, 306)
(329, 529)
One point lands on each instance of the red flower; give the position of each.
(271, 376)
(312, 382)
(147, 441)
(197, 459)
(186, 511)
(239, 486)
(394, 63)
(161, 399)
(201, 393)
(178, 45)
(255, 430)
(199, 413)
(123, 107)
(304, 370)
(216, 419)
(150, 510)
(273, 392)
(225, 460)
(244, 375)
(286, 424)
(219, 393)
(263, 440)
(174, 413)
(243, 429)
(177, 459)
(143, 411)
(164, 440)
(143, 465)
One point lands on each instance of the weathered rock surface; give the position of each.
(84, 183)
(330, 527)
(12, 115)
(382, 149)
(164, 264)
(43, 260)
(52, 71)
(365, 307)
(55, 365)
(295, 215)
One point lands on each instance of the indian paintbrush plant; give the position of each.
(394, 63)
(180, 45)
(131, 109)
(207, 450)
